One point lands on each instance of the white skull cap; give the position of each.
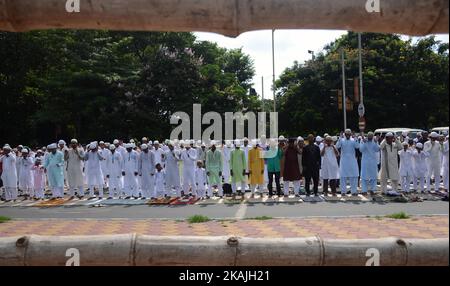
(237, 142)
(348, 131)
(74, 141)
(61, 142)
(156, 142)
(434, 135)
(25, 150)
(389, 134)
(116, 141)
(112, 147)
(144, 146)
(419, 145)
(300, 138)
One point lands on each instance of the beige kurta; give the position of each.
(74, 167)
(389, 160)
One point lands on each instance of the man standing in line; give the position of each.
(146, 171)
(130, 167)
(256, 168)
(389, 148)
(114, 170)
(238, 165)
(348, 168)
(9, 173)
(74, 164)
(94, 171)
(54, 166)
(214, 165)
(330, 167)
(311, 161)
(273, 157)
(434, 149)
(172, 171)
(25, 164)
(189, 157)
(291, 168)
(369, 149)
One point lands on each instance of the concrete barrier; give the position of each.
(133, 249)
(229, 17)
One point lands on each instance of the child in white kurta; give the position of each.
(38, 179)
(25, 163)
(200, 180)
(420, 167)
(406, 167)
(160, 181)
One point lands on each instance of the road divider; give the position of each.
(143, 250)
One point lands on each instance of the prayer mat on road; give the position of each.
(210, 201)
(161, 201)
(123, 202)
(51, 203)
(182, 201)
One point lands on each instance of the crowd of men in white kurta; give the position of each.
(181, 168)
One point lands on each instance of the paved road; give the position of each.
(243, 210)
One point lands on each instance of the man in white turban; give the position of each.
(389, 149)
(9, 173)
(434, 149)
(54, 164)
(74, 158)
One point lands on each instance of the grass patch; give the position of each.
(400, 215)
(198, 219)
(4, 219)
(260, 218)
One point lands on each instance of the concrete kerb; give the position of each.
(144, 250)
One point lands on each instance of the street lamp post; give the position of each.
(312, 54)
(344, 94)
(273, 72)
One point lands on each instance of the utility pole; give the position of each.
(360, 70)
(344, 94)
(262, 92)
(273, 71)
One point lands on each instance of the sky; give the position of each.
(290, 46)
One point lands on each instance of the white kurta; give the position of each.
(74, 163)
(158, 156)
(189, 158)
(105, 154)
(171, 160)
(93, 171)
(389, 160)
(348, 167)
(330, 167)
(434, 150)
(226, 153)
(146, 169)
(114, 168)
(25, 173)
(130, 166)
(420, 164)
(200, 178)
(406, 163)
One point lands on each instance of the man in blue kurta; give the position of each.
(369, 149)
(348, 168)
(54, 166)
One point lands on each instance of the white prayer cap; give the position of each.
(237, 143)
(199, 142)
(419, 145)
(228, 143)
(245, 139)
(20, 146)
(171, 142)
(115, 141)
(39, 151)
(370, 133)
(101, 142)
(144, 139)
(348, 131)
(144, 146)
(131, 140)
(74, 141)
(254, 142)
(318, 139)
(25, 150)
(434, 135)
(389, 134)
(281, 138)
(156, 142)
(112, 147)
(93, 145)
(191, 142)
(128, 146)
(7, 147)
(62, 142)
(52, 146)
(213, 142)
(300, 139)
(325, 135)
(334, 138)
(329, 138)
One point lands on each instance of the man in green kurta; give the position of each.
(214, 169)
(238, 165)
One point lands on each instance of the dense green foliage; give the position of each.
(405, 85)
(102, 84)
